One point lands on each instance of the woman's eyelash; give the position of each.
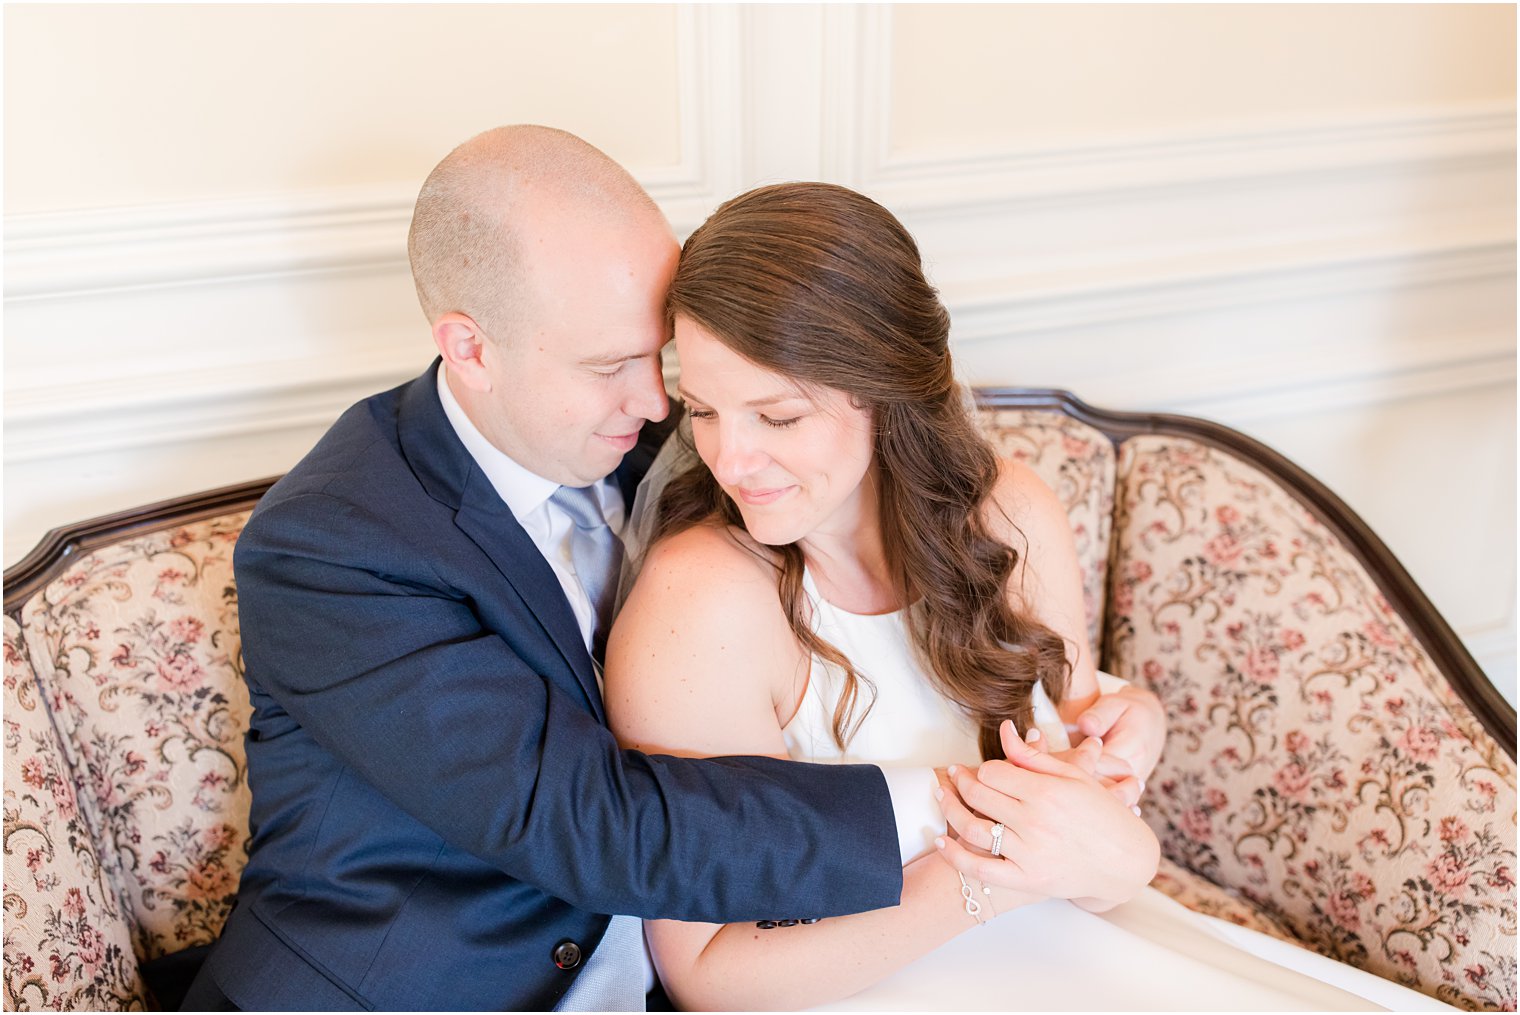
(774, 424)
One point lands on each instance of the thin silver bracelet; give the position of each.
(973, 907)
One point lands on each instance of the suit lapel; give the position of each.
(484, 518)
(448, 473)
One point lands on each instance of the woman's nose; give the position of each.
(737, 459)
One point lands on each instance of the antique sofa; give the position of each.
(1338, 772)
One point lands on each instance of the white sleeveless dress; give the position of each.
(1148, 954)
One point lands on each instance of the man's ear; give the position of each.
(461, 343)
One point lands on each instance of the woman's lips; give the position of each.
(768, 496)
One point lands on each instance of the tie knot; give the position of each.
(580, 503)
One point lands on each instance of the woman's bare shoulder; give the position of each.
(1023, 507)
(705, 594)
(710, 552)
(701, 651)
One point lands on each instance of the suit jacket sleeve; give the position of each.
(388, 666)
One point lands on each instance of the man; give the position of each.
(440, 817)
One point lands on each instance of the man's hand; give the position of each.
(1132, 724)
(1065, 835)
(1111, 771)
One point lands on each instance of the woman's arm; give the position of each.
(1048, 583)
(702, 662)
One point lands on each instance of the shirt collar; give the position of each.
(522, 491)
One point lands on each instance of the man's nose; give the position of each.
(646, 399)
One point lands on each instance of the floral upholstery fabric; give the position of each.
(1317, 762)
(68, 945)
(138, 647)
(1077, 462)
(1201, 895)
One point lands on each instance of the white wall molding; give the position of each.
(1007, 307)
(1261, 390)
(60, 420)
(709, 48)
(784, 70)
(46, 424)
(69, 255)
(75, 254)
(1483, 136)
(850, 50)
(993, 180)
(1493, 646)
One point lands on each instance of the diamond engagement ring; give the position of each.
(997, 839)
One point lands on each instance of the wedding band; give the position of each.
(997, 839)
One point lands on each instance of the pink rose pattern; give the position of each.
(1317, 764)
(1077, 462)
(138, 648)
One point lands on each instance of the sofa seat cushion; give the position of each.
(138, 645)
(1317, 761)
(1201, 895)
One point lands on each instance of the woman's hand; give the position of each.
(1112, 772)
(1064, 834)
(1132, 724)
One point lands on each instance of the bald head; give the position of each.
(492, 200)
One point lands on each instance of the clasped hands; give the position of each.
(1070, 826)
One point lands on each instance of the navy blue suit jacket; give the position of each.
(437, 802)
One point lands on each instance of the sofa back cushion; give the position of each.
(138, 646)
(68, 944)
(1317, 761)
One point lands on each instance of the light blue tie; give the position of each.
(597, 554)
(613, 979)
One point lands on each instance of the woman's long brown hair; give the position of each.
(825, 286)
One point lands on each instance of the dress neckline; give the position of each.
(811, 588)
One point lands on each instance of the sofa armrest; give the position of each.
(68, 945)
(1319, 762)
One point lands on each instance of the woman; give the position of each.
(857, 577)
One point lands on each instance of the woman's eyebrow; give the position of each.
(753, 403)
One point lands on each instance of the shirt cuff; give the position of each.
(919, 819)
(1108, 683)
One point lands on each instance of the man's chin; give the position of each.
(599, 462)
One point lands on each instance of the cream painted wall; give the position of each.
(135, 104)
(1296, 219)
(981, 77)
